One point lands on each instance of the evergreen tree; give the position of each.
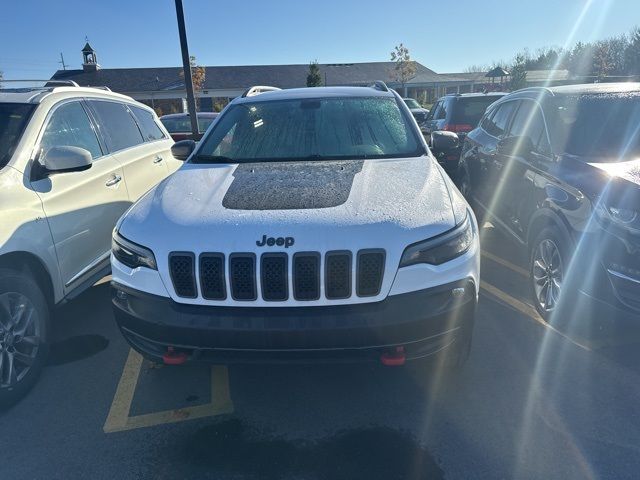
(313, 77)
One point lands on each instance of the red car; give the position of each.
(179, 124)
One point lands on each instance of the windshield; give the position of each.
(469, 110)
(603, 125)
(411, 103)
(322, 129)
(183, 124)
(13, 119)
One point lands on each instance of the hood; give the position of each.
(628, 170)
(323, 205)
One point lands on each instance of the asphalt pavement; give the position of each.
(530, 403)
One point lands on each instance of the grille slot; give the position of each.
(306, 276)
(181, 269)
(274, 278)
(337, 274)
(242, 276)
(212, 282)
(370, 269)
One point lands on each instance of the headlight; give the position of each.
(442, 248)
(623, 217)
(132, 254)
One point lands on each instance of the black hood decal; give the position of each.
(291, 185)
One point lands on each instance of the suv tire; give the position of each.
(548, 261)
(24, 334)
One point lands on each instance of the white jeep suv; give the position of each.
(307, 224)
(72, 160)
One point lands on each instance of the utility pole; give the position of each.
(186, 66)
(64, 65)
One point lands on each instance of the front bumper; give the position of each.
(424, 322)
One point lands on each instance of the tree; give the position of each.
(198, 74)
(632, 53)
(518, 71)
(601, 62)
(313, 77)
(404, 68)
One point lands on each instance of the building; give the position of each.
(163, 87)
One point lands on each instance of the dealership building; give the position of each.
(163, 87)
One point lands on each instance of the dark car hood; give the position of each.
(628, 170)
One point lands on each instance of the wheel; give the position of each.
(24, 334)
(547, 267)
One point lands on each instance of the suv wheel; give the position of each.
(548, 263)
(24, 319)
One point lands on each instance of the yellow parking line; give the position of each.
(527, 310)
(119, 420)
(505, 263)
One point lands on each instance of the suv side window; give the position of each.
(434, 111)
(498, 122)
(69, 125)
(442, 111)
(150, 129)
(117, 125)
(528, 122)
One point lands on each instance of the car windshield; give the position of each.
(182, 124)
(13, 119)
(311, 129)
(412, 103)
(469, 110)
(603, 125)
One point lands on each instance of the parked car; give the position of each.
(558, 170)
(307, 224)
(457, 113)
(418, 111)
(179, 124)
(72, 160)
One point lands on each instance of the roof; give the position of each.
(235, 77)
(497, 72)
(547, 75)
(87, 48)
(198, 114)
(315, 92)
(587, 88)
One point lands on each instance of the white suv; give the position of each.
(307, 224)
(72, 160)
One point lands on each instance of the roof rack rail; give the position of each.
(103, 87)
(47, 83)
(257, 90)
(536, 89)
(380, 85)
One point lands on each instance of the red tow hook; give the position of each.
(394, 357)
(171, 357)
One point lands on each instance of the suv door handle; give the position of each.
(158, 159)
(113, 180)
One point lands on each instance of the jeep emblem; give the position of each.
(279, 241)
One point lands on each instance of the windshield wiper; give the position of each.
(214, 159)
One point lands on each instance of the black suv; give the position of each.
(559, 170)
(457, 113)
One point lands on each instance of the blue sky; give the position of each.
(445, 36)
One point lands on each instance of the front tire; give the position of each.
(24, 334)
(548, 262)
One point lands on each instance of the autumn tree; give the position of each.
(518, 72)
(198, 74)
(313, 77)
(404, 68)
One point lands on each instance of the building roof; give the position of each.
(497, 72)
(132, 80)
(87, 48)
(547, 75)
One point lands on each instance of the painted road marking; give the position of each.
(527, 310)
(119, 420)
(505, 263)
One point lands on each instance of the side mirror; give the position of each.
(182, 149)
(443, 141)
(66, 159)
(515, 146)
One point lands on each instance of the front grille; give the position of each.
(274, 278)
(306, 276)
(370, 271)
(212, 281)
(337, 275)
(216, 275)
(242, 274)
(182, 271)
